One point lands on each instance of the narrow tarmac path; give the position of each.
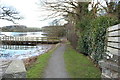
(56, 65)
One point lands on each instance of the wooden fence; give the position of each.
(111, 62)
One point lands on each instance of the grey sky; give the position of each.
(29, 10)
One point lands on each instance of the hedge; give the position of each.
(93, 35)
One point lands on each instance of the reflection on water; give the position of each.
(22, 51)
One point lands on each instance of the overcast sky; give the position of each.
(29, 10)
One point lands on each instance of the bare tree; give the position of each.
(72, 10)
(9, 13)
(111, 7)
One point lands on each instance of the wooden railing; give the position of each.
(111, 62)
(11, 38)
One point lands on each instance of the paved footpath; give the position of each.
(56, 66)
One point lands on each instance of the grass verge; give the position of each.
(37, 69)
(79, 66)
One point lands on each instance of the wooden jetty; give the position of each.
(10, 40)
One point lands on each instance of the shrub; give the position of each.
(92, 38)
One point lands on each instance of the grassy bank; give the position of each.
(38, 67)
(79, 66)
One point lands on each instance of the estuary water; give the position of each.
(10, 52)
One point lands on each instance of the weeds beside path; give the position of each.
(37, 69)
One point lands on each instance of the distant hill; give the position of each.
(16, 27)
(19, 28)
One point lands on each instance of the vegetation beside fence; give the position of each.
(90, 35)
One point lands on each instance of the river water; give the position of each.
(31, 34)
(10, 52)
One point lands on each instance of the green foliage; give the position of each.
(92, 38)
(79, 66)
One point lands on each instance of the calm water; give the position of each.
(22, 51)
(37, 34)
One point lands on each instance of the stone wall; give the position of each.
(16, 69)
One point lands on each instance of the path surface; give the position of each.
(56, 66)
